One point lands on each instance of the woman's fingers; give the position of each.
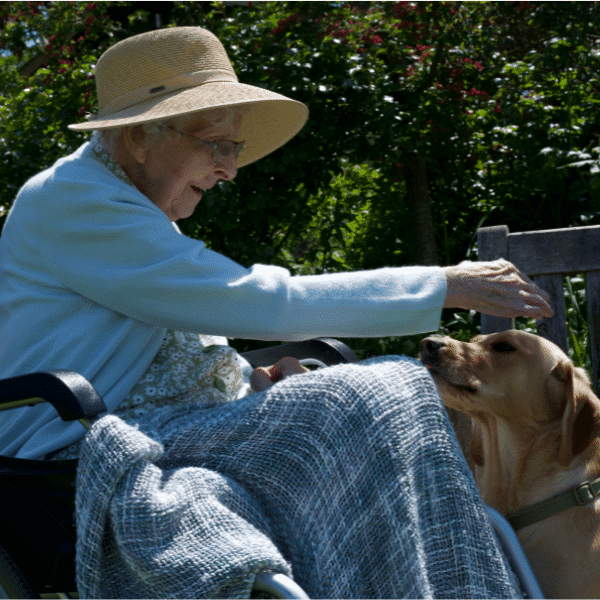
(264, 377)
(496, 288)
(285, 367)
(260, 380)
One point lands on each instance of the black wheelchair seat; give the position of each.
(38, 532)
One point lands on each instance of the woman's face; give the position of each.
(176, 171)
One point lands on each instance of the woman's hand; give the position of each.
(264, 377)
(495, 288)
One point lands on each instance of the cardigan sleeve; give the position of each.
(107, 242)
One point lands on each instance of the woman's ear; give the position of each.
(134, 140)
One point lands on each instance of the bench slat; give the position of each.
(593, 300)
(555, 328)
(566, 251)
(492, 243)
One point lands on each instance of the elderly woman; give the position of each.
(349, 477)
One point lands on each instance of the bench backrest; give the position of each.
(547, 256)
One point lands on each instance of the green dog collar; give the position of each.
(580, 495)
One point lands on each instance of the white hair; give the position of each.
(156, 131)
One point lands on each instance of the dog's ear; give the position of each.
(581, 413)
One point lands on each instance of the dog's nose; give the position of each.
(431, 345)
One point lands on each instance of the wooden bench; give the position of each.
(547, 256)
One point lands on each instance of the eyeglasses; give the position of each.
(221, 150)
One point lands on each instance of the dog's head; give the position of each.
(521, 379)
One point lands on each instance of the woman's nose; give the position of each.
(226, 168)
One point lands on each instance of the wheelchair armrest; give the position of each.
(70, 394)
(327, 350)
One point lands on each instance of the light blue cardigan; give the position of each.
(92, 274)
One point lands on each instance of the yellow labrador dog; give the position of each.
(535, 446)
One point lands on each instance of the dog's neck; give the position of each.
(509, 461)
(510, 481)
(499, 464)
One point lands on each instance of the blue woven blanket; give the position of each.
(349, 479)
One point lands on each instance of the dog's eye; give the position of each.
(502, 347)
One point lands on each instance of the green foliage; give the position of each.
(500, 99)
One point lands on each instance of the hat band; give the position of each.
(160, 88)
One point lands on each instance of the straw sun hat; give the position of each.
(176, 71)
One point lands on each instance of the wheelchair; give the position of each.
(37, 534)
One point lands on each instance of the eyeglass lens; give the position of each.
(225, 148)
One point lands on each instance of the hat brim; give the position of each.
(269, 121)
